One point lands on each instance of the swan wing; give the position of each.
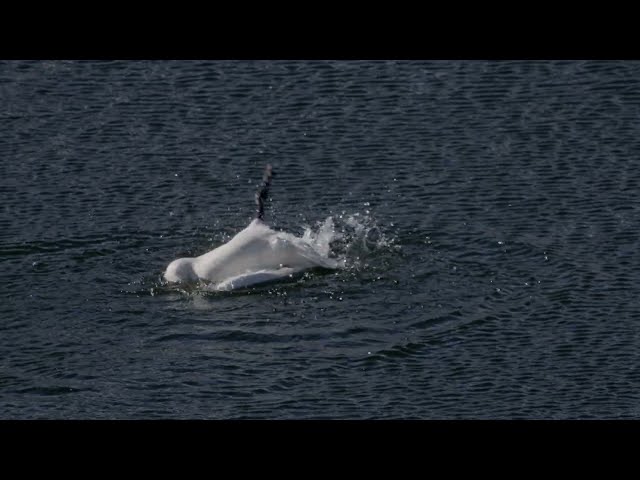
(251, 278)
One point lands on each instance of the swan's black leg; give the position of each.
(263, 193)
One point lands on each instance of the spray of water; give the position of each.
(359, 241)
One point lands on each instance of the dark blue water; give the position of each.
(490, 217)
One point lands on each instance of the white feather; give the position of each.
(255, 255)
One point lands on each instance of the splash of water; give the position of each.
(321, 239)
(359, 239)
(355, 240)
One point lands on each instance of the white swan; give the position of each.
(256, 254)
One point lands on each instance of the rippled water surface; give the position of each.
(489, 217)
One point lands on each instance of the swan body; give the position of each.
(256, 254)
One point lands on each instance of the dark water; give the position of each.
(492, 251)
